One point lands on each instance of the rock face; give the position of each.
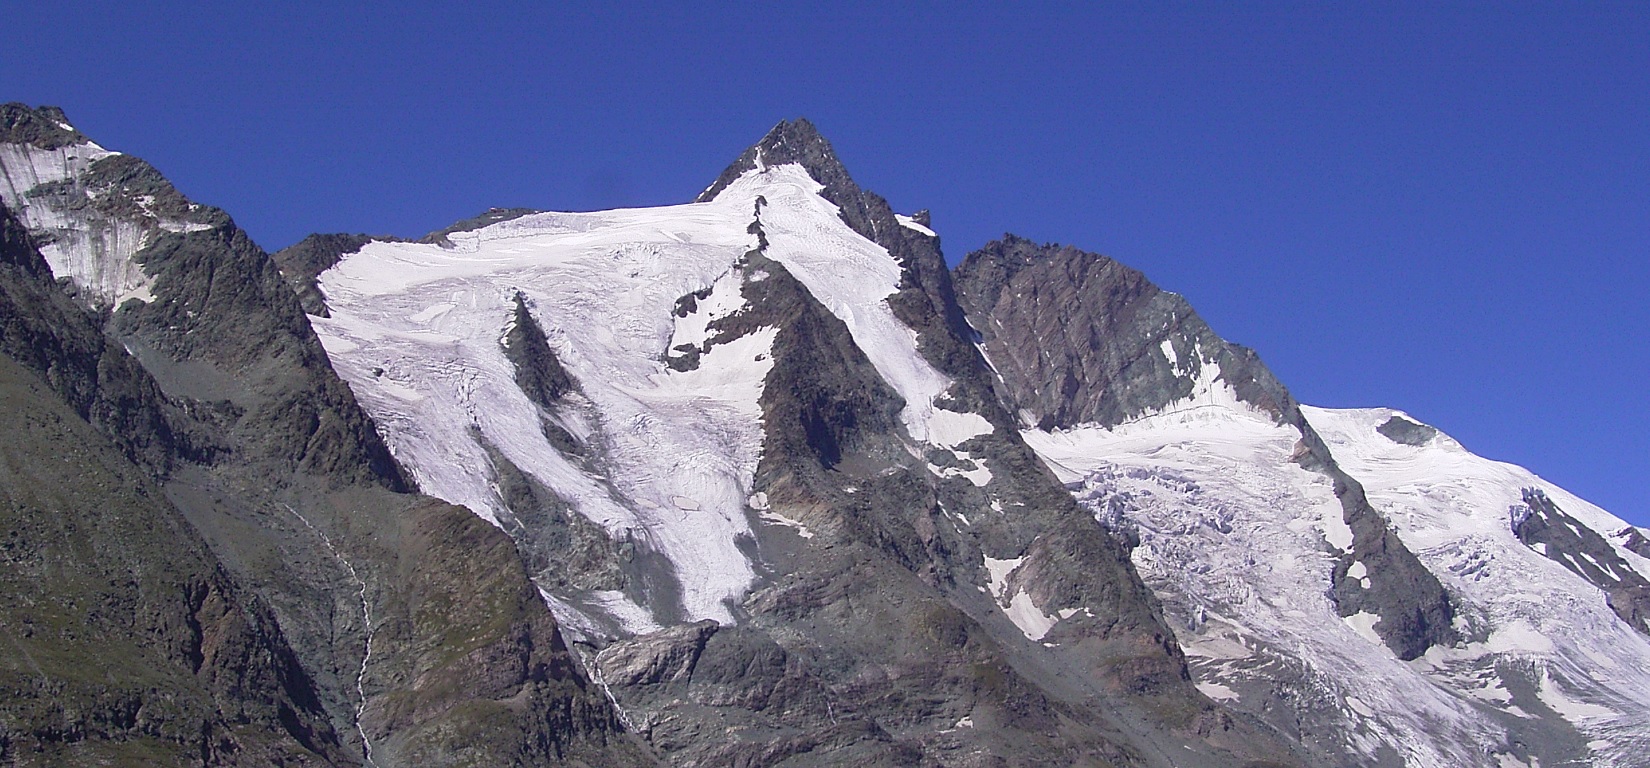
(46, 332)
(538, 372)
(127, 642)
(301, 262)
(332, 611)
(1080, 338)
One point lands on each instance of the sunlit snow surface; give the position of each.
(416, 331)
(1239, 541)
(1451, 508)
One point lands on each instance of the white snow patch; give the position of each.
(1577, 712)
(1450, 508)
(778, 519)
(853, 278)
(1025, 615)
(1363, 623)
(1359, 572)
(1172, 356)
(1217, 691)
(1335, 529)
(980, 475)
(948, 429)
(140, 293)
(727, 298)
(1589, 558)
(1015, 603)
(1358, 705)
(999, 571)
(911, 224)
(1232, 539)
(83, 245)
(632, 618)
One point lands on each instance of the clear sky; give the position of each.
(1440, 208)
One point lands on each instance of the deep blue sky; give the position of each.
(1445, 210)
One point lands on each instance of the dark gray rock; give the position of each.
(1401, 430)
(42, 127)
(538, 371)
(128, 643)
(223, 313)
(1078, 337)
(1635, 540)
(125, 187)
(1543, 526)
(48, 333)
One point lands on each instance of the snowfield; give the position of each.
(416, 331)
(1239, 543)
(1451, 508)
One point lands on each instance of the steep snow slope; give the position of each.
(1237, 541)
(416, 330)
(1240, 543)
(1539, 631)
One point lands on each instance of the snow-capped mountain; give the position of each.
(1249, 538)
(793, 492)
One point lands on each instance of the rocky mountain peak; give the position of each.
(791, 141)
(43, 127)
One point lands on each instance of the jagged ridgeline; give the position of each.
(210, 556)
(754, 480)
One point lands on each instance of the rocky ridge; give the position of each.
(753, 481)
(251, 451)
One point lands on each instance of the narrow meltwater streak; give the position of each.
(366, 616)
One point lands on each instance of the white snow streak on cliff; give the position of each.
(94, 250)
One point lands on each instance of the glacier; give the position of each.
(1239, 542)
(416, 329)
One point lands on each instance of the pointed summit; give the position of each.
(798, 142)
(791, 141)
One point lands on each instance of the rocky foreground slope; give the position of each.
(755, 480)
